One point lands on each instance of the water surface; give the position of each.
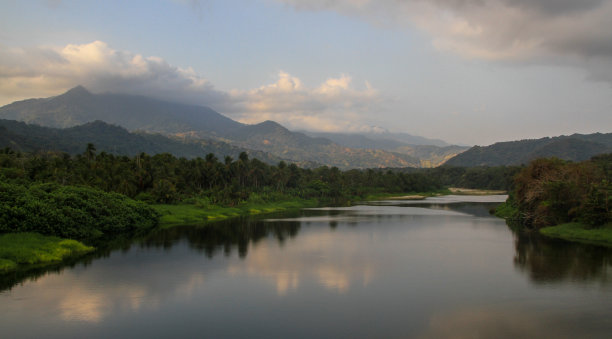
(437, 268)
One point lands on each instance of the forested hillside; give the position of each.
(112, 139)
(577, 147)
(188, 122)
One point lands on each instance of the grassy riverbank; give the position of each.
(580, 232)
(407, 196)
(573, 231)
(20, 249)
(472, 191)
(197, 213)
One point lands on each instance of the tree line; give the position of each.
(164, 178)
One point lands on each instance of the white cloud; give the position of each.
(560, 31)
(46, 71)
(334, 105)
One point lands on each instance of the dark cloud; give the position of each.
(575, 32)
(555, 7)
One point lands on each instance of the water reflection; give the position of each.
(335, 264)
(223, 236)
(549, 261)
(211, 239)
(430, 270)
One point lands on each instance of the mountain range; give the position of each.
(430, 152)
(129, 124)
(192, 123)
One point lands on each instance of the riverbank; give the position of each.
(472, 191)
(18, 250)
(573, 231)
(408, 196)
(196, 212)
(171, 215)
(581, 233)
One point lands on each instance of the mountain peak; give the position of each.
(77, 91)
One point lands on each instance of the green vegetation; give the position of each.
(111, 139)
(69, 211)
(565, 200)
(199, 212)
(35, 249)
(506, 210)
(580, 232)
(552, 192)
(165, 179)
(93, 196)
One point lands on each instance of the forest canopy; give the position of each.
(552, 191)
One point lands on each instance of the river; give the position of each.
(437, 268)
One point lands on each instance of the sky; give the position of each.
(472, 72)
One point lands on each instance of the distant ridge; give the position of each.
(138, 113)
(430, 152)
(112, 139)
(576, 147)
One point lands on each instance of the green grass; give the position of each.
(194, 214)
(579, 232)
(506, 211)
(17, 249)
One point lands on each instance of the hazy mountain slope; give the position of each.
(111, 139)
(576, 147)
(428, 155)
(408, 139)
(432, 156)
(78, 106)
(272, 137)
(358, 140)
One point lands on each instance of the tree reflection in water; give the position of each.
(210, 239)
(223, 235)
(554, 261)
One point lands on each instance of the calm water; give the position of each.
(440, 268)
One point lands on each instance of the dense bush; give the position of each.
(552, 191)
(69, 211)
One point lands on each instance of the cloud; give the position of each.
(44, 71)
(47, 71)
(560, 31)
(334, 105)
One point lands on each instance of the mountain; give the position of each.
(431, 156)
(138, 113)
(378, 140)
(78, 106)
(273, 138)
(429, 152)
(576, 147)
(112, 139)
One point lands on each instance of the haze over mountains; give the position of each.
(77, 117)
(137, 113)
